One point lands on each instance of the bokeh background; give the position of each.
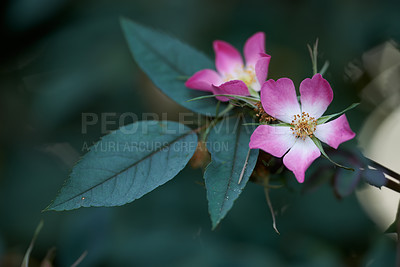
(60, 59)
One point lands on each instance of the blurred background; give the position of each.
(60, 59)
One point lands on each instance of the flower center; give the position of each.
(246, 75)
(303, 125)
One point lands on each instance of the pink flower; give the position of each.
(280, 101)
(233, 77)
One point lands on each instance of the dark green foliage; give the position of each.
(126, 164)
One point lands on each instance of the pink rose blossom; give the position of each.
(233, 77)
(279, 100)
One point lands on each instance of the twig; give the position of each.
(25, 261)
(314, 54)
(80, 259)
(392, 185)
(324, 68)
(244, 167)
(49, 258)
(388, 171)
(266, 190)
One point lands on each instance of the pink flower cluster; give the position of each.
(294, 141)
(233, 77)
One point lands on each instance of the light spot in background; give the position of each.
(379, 136)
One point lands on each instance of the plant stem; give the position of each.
(216, 120)
(244, 166)
(266, 190)
(314, 55)
(324, 68)
(80, 259)
(391, 184)
(388, 171)
(28, 252)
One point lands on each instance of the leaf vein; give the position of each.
(127, 168)
(233, 165)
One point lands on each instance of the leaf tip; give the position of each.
(215, 220)
(214, 224)
(48, 208)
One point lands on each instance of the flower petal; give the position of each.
(227, 58)
(300, 157)
(261, 70)
(253, 47)
(279, 99)
(203, 80)
(234, 87)
(315, 95)
(273, 140)
(335, 132)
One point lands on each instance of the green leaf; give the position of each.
(321, 149)
(126, 164)
(326, 118)
(166, 60)
(228, 144)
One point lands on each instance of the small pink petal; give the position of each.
(273, 140)
(262, 70)
(335, 132)
(253, 47)
(227, 58)
(203, 80)
(234, 87)
(279, 99)
(315, 95)
(300, 157)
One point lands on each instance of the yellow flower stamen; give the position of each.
(247, 75)
(303, 125)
